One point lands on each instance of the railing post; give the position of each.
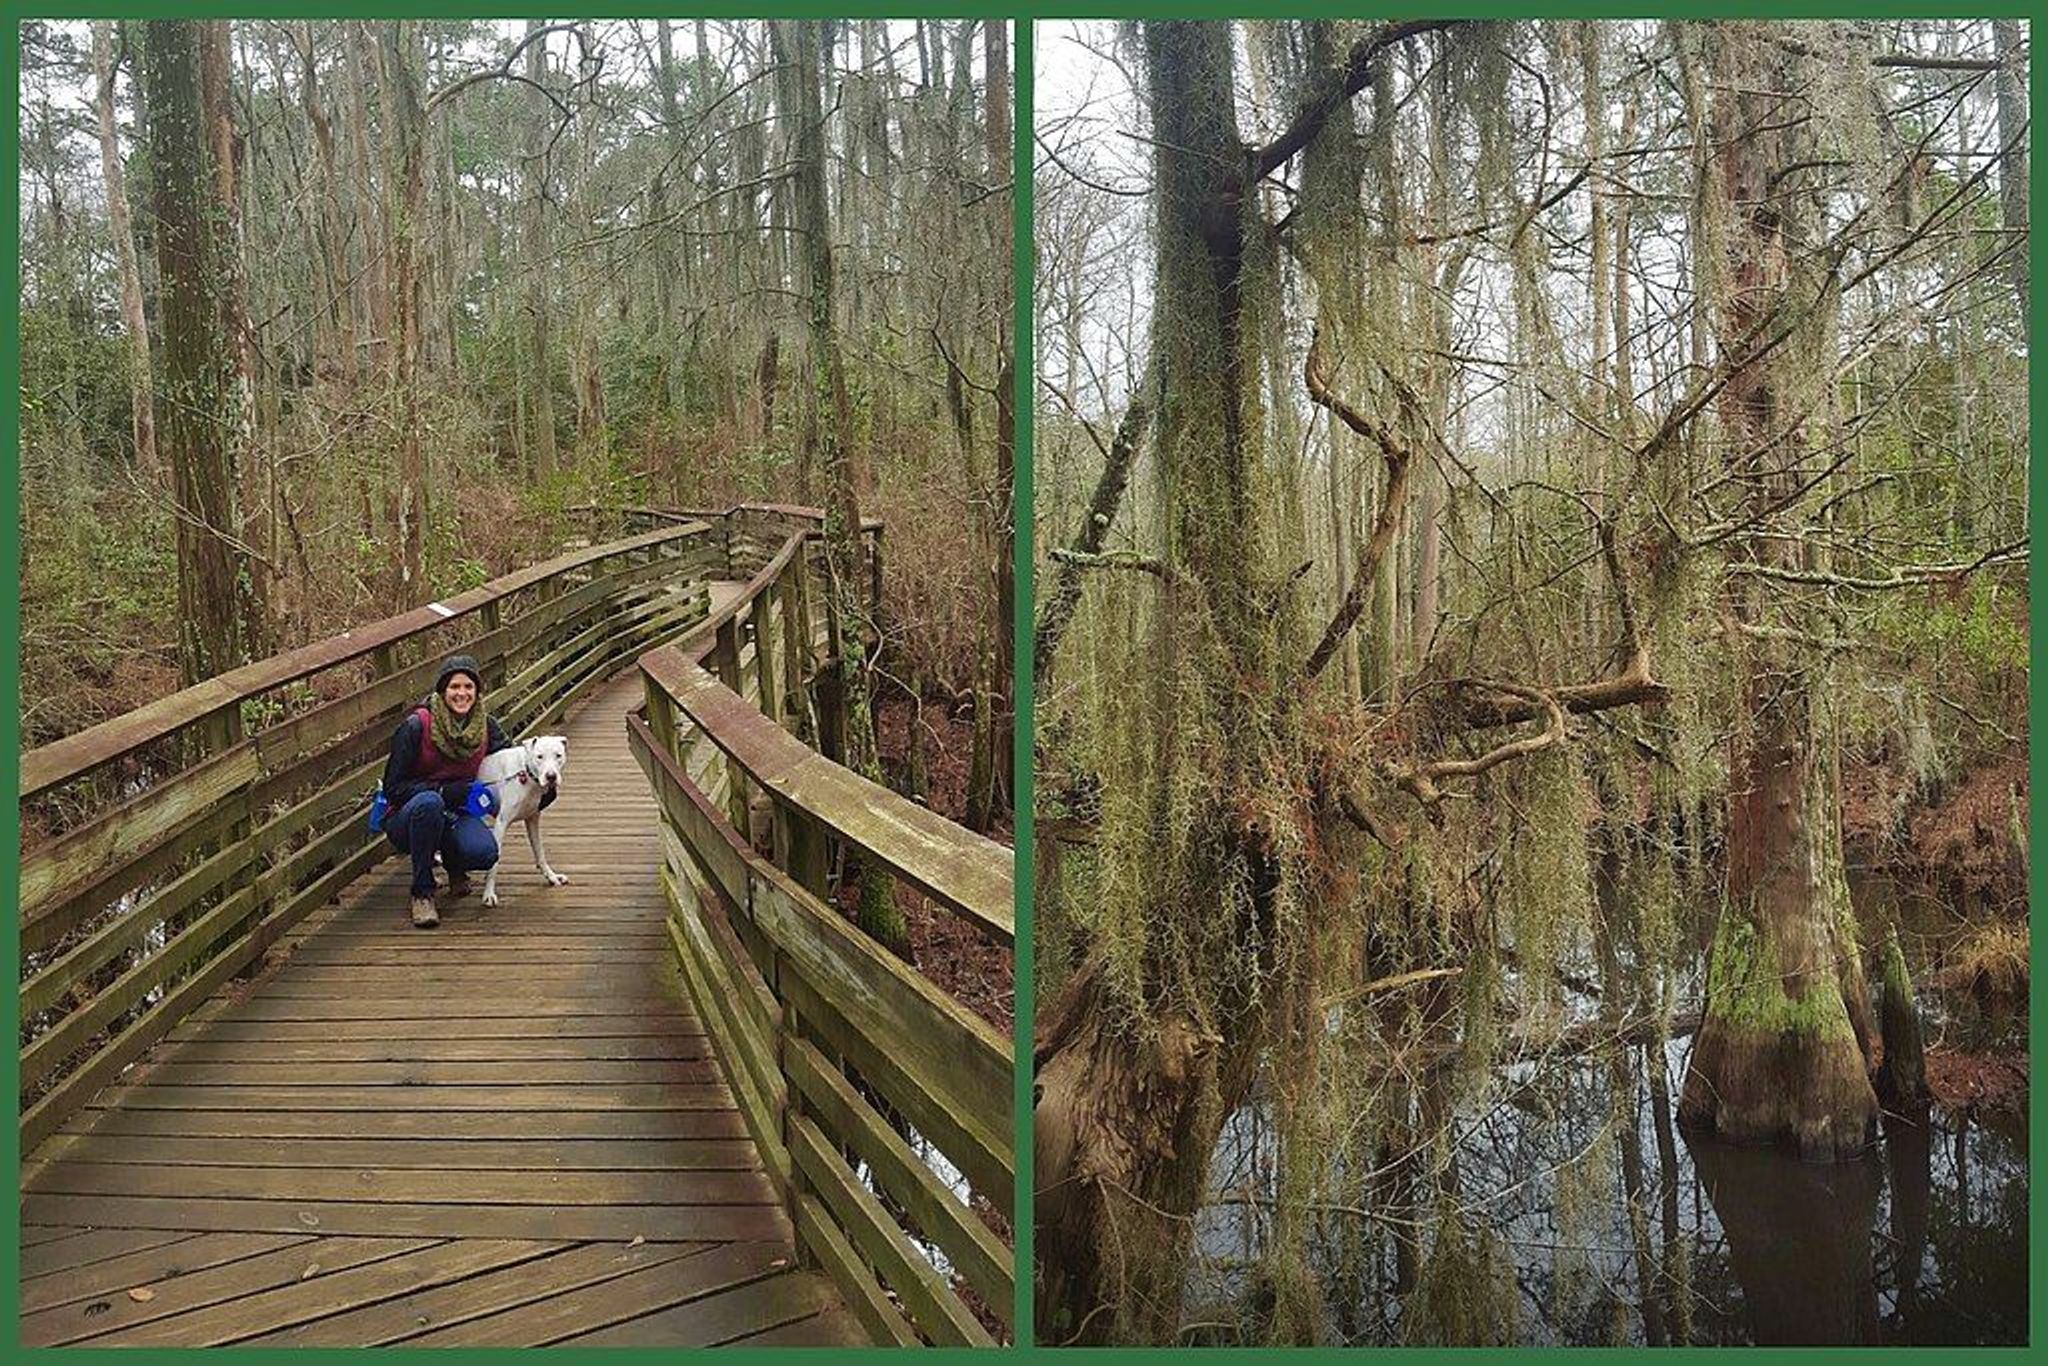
(796, 645)
(725, 659)
(494, 661)
(802, 849)
(875, 571)
(220, 731)
(661, 717)
(765, 652)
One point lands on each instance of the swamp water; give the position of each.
(1537, 1210)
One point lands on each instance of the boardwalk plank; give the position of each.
(44, 1233)
(177, 1257)
(428, 1311)
(426, 1011)
(112, 1313)
(401, 1154)
(512, 1130)
(595, 1048)
(593, 1025)
(552, 1099)
(833, 1328)
(322, 1295)
(656, 1223)
(616, 1301)
(752, 1308)
(519, 1072)
(406, 1186)
(451, 1126)
(86, 1246)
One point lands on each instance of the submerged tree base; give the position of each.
(1777, 1058)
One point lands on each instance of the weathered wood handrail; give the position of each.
(76, 755)
(145, 902)
(880, 1104)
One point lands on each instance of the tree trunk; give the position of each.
(533, 247)
(405, 194)
(140, 397)
(2013, 135)
(217, 98)
(1783, 1045)
(1136, 1077)
(1002, 777)
(376, 265)
(850, 617)
(337, 308)
(198, 372)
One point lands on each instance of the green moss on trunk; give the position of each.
(1902, 1080)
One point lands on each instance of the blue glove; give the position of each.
(481, 801)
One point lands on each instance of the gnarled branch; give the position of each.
(1065, 596)
(1393, 508)
(1309, 120)
(1422, 781)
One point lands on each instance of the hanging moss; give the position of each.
(1466, 1294)
(1585, 1191)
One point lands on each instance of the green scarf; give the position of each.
(456, 737)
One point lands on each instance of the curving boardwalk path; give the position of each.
(508, 1131)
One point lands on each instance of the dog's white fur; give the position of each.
(520, 776)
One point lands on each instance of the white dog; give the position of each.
(520, 776)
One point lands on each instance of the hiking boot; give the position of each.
(424, 916)
(459, 886)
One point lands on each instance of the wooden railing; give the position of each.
(174, 844)
(880, 1104)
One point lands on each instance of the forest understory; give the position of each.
(324, 321)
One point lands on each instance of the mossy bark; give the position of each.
(197, 373)
(1902, 1079)
(1146, 1054)
(1782, 1052)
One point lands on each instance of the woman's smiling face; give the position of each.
(461, 694)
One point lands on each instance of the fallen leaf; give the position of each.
(309, 1219)
(312, 1270)
(778, 1264)
(142, 1294)
(638, 1239)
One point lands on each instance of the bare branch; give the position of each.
(1065, 595)
(1393, 508)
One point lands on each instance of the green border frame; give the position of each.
(1022, 13)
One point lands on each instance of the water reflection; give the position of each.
(1612, 1229)
(1798, 1241)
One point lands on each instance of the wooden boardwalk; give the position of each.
(511, 1130)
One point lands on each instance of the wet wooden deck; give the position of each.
(508, 1131)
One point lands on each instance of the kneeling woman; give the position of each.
(434, 803)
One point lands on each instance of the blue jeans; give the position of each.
(425, 826)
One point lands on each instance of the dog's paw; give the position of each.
(556, 879)
(490, 899)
